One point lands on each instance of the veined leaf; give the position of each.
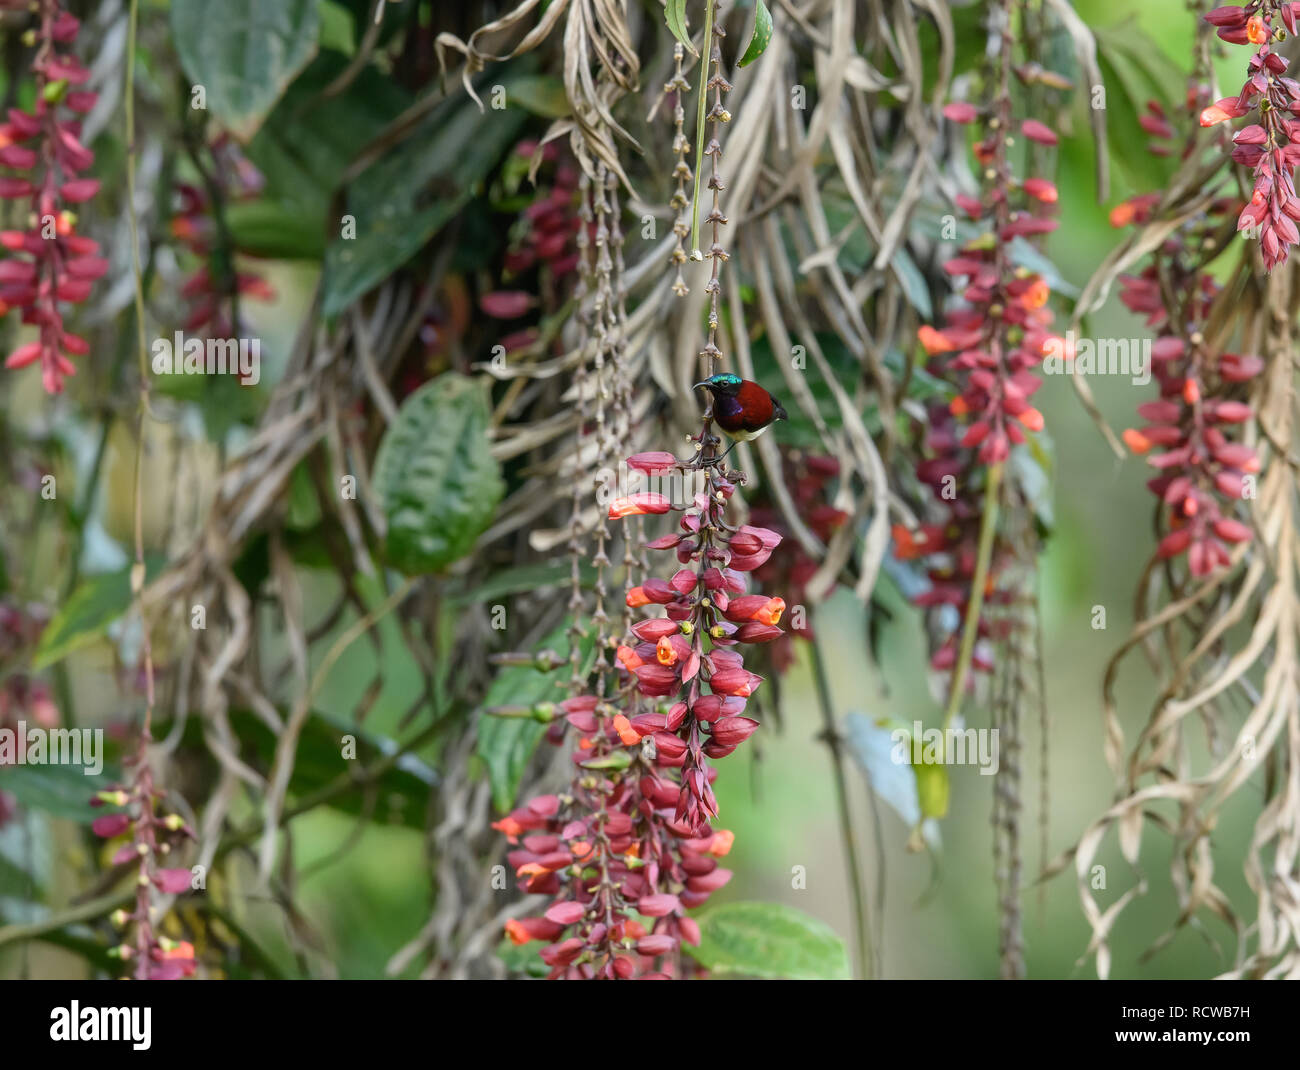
(769, 940)
(435, 478)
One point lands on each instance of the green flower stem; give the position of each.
(988, 529)
(706, 55)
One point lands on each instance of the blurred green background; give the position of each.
(939, 918)
(779, 798)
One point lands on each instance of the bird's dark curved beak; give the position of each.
(698, 385)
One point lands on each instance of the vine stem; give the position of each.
(138, 571)
(830, 733)
(143, 774)
(988, 529)
(706, 54)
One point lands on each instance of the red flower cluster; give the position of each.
(548, 230)
(43, 147)
(951, 544)
(631, 837)
(998, 332)
(606, 852)
(156, 957)
(210, 292)
(1271, 146)
(708, 599)
(1203, 472)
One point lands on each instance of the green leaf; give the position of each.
(761, 36)
(337, 30)
(435, 478)
(85, 617)
(506, 744)
(675, 16)
(276, 231)
(769, 940)
(402, 200)
(58, 790)
(933, 789)
(244, 53)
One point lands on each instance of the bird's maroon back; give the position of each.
(749, 410)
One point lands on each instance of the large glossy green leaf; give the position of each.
(244, 53)
(404, 199)
(86, 615)
(769, 940)
(506, 744)
(436, 480)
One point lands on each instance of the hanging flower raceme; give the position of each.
(215, 288)
(1204, 470)
(708, 614)
(43, 157)
(987, 347)
(152, 839)
(949, 545)
(543, 255)
(1269, 145)
(631, 839)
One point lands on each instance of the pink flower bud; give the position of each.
(565, 913)
(1036, 131)
(172, 881)
(656, 944)
(506, 304)
(653, 462)
(731, 731)
(111, 825)
(658, 906)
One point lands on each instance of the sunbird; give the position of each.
(742, 408)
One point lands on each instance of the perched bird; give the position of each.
(742, 408)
